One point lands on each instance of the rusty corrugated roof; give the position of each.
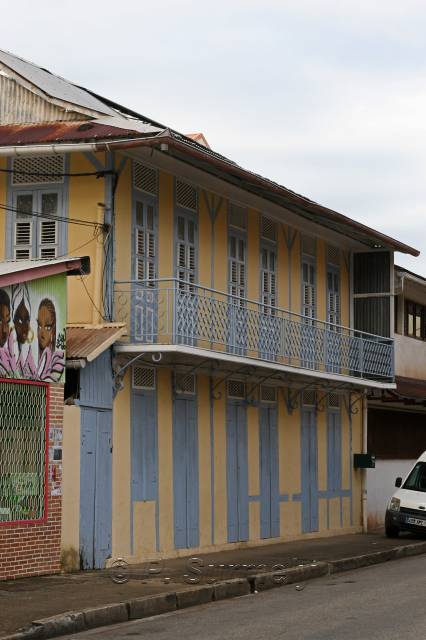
(54, 132)
(87, 342)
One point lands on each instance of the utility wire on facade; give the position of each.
(49, 216)
(83, 174)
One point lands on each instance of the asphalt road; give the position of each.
(385, 601)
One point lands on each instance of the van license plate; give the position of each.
(416, 521)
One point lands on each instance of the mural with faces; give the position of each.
(32, 329)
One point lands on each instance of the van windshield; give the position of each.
(416, 481)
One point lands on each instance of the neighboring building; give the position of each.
(397, 417)
(32, 371)
(222, 346)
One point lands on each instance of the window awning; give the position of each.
(87, 342)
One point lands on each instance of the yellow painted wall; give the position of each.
(220, 502)
(123, 220)
(221, 249)
(83, 197)
(70, 536)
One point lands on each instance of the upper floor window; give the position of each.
(309, 285)
(37, 228)
(415, 320)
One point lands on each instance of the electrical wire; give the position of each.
(80, 246)
(90, 297)
(38, 174)
(50, 216)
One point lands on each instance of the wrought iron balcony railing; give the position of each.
(170, 311)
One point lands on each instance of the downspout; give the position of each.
(364, 471)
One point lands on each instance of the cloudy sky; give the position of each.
(328, 98)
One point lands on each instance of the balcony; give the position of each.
(173, 312)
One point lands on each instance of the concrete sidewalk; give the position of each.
(28, 599)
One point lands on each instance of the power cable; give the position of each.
(38, 174)
(50, 216)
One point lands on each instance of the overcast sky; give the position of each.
(327, 98)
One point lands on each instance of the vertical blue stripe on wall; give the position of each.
(309, 470)
(237, 472)
(185, 473)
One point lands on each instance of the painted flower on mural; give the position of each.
(29, 347)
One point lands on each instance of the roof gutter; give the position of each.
(46, 149)
(166, 139)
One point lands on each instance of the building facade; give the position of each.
(397, 418)
(32, 374)
(222, 347)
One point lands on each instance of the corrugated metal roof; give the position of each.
(57, 132)
(13, 272)
(87, 342)
(14, 266)
(53, 85)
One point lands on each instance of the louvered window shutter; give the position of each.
(308, 290)
(237, 268)
(333, 296)
(186, 251)
(269, 279)
(48, 229)
(23, 227)
(145, 243)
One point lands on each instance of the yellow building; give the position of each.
(220, 350)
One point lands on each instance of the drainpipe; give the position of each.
(364, 471)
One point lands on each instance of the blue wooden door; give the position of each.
(309, 471)
(185, 474)
(95, 487)
(237, 472)
(144, 448)
(269, 473)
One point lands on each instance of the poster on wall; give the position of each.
(32, 329)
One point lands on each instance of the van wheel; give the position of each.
(391, 532)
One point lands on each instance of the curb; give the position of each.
(138, 608)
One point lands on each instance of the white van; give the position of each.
(406, 510)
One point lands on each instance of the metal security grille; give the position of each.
(309, 246)
(333, 255)
(22, 451)
(309, 398)
(237, 216)
(236, 389)
(186, 195)
(334, 400)
(48, 166)
(184, 383)
(268, 229)
(145, 178)
(143, 378)
(268, 393)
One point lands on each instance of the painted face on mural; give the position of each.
(21, 320)
(4, 317)
(46, 325)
